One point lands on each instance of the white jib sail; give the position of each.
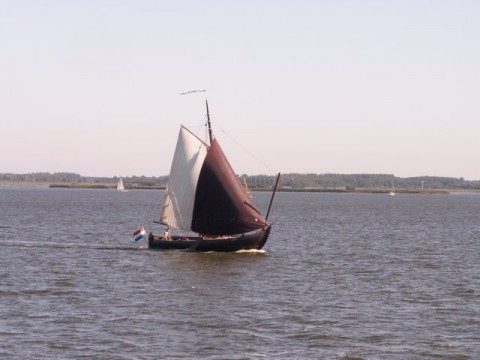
(190, 154)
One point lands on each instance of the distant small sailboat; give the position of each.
(120, 186)
(392, 192)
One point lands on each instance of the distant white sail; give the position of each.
(392, 192)
(120, 186)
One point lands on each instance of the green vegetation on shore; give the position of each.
(288, 182)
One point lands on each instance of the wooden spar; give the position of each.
(273, 194)
(208, 124)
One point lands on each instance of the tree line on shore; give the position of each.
(287, 181)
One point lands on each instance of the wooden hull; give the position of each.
(249, 241)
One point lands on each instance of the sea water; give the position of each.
(342, 276)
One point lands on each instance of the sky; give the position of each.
(339, 86)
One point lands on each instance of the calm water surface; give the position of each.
(343, 276)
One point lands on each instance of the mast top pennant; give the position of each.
(191, 91)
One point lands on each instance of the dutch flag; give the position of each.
(139, 234)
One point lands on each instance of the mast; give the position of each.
(208, 124)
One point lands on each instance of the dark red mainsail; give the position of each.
(222, 206)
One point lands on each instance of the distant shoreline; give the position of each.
(105, 186)
(292, 182)
(341, 190)
(112, 186)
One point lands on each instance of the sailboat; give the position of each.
(206, 201)
(392, 192)
(120, 186)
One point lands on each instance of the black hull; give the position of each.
(249, 241)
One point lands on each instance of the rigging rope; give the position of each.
(246, 150)
(232, 139)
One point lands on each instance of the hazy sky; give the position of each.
(315, 86)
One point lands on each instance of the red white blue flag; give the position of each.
(139, 234)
